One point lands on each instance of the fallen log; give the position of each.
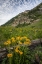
(37, 41)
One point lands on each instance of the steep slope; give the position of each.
(32, 31)
(27, 17)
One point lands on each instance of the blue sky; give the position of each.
(11, 8)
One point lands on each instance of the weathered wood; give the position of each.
(2, 50)
(37, 41)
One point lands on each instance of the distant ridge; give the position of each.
(26, 17)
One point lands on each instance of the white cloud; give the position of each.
(10, 8)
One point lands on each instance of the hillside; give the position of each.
(21, 38)
(30, 21)
(26, 17)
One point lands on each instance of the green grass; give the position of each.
(28, 57)
(32, 31)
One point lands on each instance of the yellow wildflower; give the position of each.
(16, 50)
(18, 38)
(17, 47)
(27, 43)
(13, 39)
(5, 43)
(21, 38)
(20, 42)
(9, 42)
(28, 40)
(25, 37)
(20, 52)
(9, 55)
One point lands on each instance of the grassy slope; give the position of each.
(32, 31)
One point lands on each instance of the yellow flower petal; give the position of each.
(9, 55)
